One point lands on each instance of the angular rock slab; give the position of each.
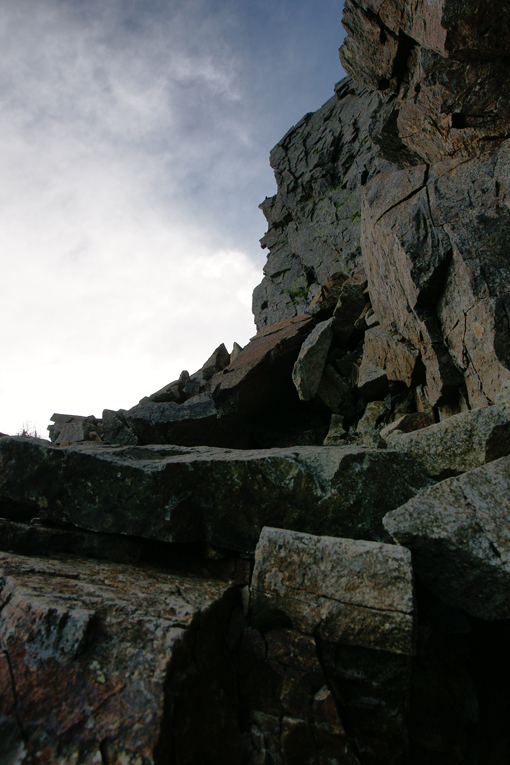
(111, 663)
(347, 591)
(460, 443)
(459, 534)
(204, 494)
(309, 366)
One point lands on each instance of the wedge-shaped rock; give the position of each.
(349, 591)
(205, 494)
(460, 443)
(113, 663)
(307, 371)
(459, 535)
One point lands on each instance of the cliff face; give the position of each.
(299, 554)
(321, 166)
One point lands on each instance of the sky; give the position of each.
(135, 139)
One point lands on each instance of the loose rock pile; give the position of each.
(300, 553)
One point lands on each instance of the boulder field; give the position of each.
(300, 553)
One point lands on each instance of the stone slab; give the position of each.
(347, 591)
(104, 663)
(220, 496)
(459, 535)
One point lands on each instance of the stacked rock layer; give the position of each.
(300, 553)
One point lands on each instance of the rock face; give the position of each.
(201, 494)
(314, 219)
(356, 599)
(459, 535)
(355, 592)
(207, 576)
(86, 655)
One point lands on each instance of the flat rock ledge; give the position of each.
(204, 494)
(459, 536)
(460, 443)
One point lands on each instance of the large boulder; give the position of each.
(460, 443)
(458, 533)
(348, 591)
(114, 663)
(220, 496)
(356, 599)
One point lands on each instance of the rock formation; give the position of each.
(299, 554)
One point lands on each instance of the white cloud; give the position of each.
(134, 139)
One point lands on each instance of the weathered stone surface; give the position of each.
(106, 662)
(309, 366)
(163, 423)
(336, 432)
(353, 592)
(389, 352)
(203, 494)
(445, 242)
(334, 390)
(218, 360)
(71, 428)
(371, 379)
(407, 423)
(249, 375)
(451, 77)
(116, 429)
(351, 304)
(373, 691)
(326, 297)
(34, 539)
(293, 714)
(367, 430)
(313, 221)
(459, 443)
(458, 533)
(473, 30)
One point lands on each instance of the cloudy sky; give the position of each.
(135, 137)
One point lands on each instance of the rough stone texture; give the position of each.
(202, 494)
(218, 360)
(344, 593)
(386, 350)
(409, 422)
(313, 221)
(458, 533)
(450, 77)
(105, 663)
(116, 430)
(71, 428)
(292, 715)
(336, 432)
(443, 238)
(353, 592)
(39, 540)
(460, 443)
(163, 423)
(309, 366)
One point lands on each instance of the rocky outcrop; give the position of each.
(314, 219)
(210, 575)
(93, 660)
(458, 533)
(206, 495)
